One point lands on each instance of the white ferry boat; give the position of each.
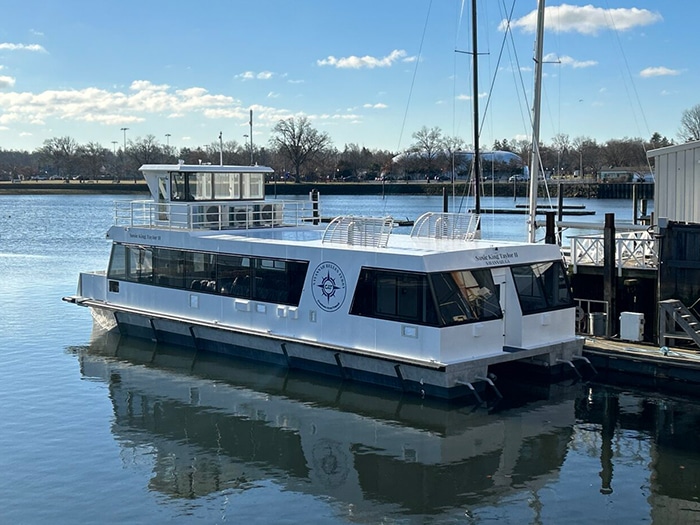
(208, 262)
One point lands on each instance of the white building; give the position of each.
(677, 189)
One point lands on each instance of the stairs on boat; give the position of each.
(673, 314)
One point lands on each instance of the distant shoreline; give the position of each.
(501, 189)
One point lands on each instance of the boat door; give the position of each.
(163, 196)
(500, 282)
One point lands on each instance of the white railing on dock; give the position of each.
(212, 215)
(633, 249)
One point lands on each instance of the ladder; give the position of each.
(673, 314)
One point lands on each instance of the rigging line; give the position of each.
(629, 73)
(415, 73)
(518, 76)
(634, 87)
(498, 63)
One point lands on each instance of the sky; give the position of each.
(370, 73)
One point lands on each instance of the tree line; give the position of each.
(297, 151)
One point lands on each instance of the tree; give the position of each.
(429, 146)
(690, 124)
(61, 152)
(657, 141)
(93, 157)
(298, 142)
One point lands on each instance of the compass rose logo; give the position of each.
(328, 286)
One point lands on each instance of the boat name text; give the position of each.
(493, 259)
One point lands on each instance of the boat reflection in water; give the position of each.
(211, 423)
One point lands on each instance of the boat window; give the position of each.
(253, 186)
(233, 273)
(278, 281)
(117, 262)
(178, 192)
(139, 264)
(401, 296)
(465, 295)
(542, 286)
(200, 271)
(168, 267)
(227, 186)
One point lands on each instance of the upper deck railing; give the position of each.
(212, 215)
(633, 249)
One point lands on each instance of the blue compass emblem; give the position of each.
(328, 286)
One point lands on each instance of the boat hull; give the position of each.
(464, 381)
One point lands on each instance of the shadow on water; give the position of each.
(214, 423)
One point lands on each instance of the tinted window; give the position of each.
(465, 295)
(542, 286)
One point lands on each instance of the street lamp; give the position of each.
(124, 161)
(124, 130)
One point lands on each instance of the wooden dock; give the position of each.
(664, 368)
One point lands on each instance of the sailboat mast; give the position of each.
(475, 161)
(537, 97)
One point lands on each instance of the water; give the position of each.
(101, 430)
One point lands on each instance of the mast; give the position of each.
(535, 160)
(475, 160)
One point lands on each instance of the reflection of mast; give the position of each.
(535, 160)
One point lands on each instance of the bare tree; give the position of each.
(690, 124)
(298, 142)
(429, 146)
(61, 152)
(93, 157)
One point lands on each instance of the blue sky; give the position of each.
(366, 72)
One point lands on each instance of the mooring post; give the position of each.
(609, 272)
(314, 206)
(560, 207)
(550, 236)
(444, 200)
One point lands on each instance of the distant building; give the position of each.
(619, 175)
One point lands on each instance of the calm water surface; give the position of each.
(97, 429)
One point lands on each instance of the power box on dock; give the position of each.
(631, 326)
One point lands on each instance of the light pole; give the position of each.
(247, 146)
(124, 158)
(124, 130)
(167, 144)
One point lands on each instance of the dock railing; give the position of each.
(633, 249)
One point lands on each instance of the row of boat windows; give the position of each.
(215, 186)
(457, 297)
(433, 299)
(262, 279)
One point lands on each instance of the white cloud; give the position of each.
(369, 62)
(92, 104)
(252, 75)
(469, 97)
(6, 82)
(6, 46)
(660, 71)
(569, 61)
(587, 20)
(272, 94)
(378, 105)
